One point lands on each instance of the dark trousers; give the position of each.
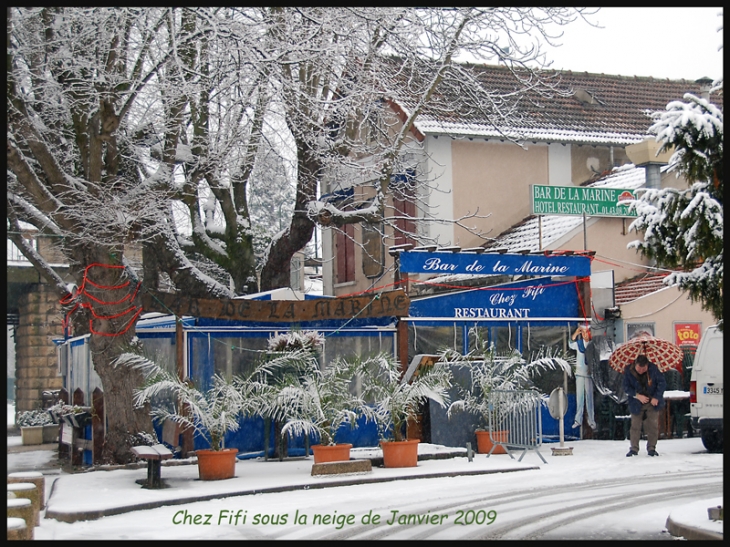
(649, 419)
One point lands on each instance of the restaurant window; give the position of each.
(432, 339)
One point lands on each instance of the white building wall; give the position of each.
(440, 200)
(328, 287)
(559, 165)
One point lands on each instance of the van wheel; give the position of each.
(712, 439)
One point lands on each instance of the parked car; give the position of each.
(706, 389)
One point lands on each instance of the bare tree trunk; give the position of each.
(112, 330)
(122, 421)
(276, 273)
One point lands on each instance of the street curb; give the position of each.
(94, 515)
(31, 447)
(690, 532)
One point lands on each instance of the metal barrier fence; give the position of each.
(515, 421)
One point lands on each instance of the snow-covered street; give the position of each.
(597, 493)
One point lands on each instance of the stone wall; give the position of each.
(36, 365)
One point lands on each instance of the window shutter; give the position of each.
(345, 254)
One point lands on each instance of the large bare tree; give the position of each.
(146, 127)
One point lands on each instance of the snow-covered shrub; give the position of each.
(212, 413)
(30, 418)
(396, 400)
(307, 399)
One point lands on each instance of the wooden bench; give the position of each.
(154, 456)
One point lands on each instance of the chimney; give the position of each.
(645, 154)
(653, 176)
(705, 86)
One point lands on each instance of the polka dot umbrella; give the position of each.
(662, 353)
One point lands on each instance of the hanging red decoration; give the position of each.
(77, 295)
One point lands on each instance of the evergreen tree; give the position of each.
(684, 228)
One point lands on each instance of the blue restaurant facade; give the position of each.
(540, 309)
(547, 298)
(230, 348)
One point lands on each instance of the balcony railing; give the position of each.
(14, 254)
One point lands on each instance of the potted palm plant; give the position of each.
(212, 413)
(290, 355)
(397, 399)
(307, 400)
(489, 372)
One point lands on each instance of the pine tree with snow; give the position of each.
(683, 229)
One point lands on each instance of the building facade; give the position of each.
(484, 175)
(469, 169)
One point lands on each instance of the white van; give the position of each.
(706, 389)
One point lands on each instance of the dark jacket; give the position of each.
(654, 389)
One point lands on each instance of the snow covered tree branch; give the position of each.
(159, 127)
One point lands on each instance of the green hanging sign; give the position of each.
(579, 200)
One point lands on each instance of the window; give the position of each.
(225, 354)
(433, 339)
(14, 253)
(344, 239)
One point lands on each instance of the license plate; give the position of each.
(717, 389)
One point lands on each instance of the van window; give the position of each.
(712, 350)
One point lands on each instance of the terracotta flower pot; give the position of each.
(484, 443)
(214, 465)
(400, 453)
(331, 453)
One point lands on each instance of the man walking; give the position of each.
(645, 386)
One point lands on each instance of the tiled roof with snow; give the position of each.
(527, 234)
(635, 288)
(484, 101)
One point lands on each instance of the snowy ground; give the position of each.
(589, 487)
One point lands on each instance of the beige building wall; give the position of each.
(494, 179)
(48, 249)
(670, 180)
(609, 237)
(36, 368)
(663, 308)
(361, 283)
